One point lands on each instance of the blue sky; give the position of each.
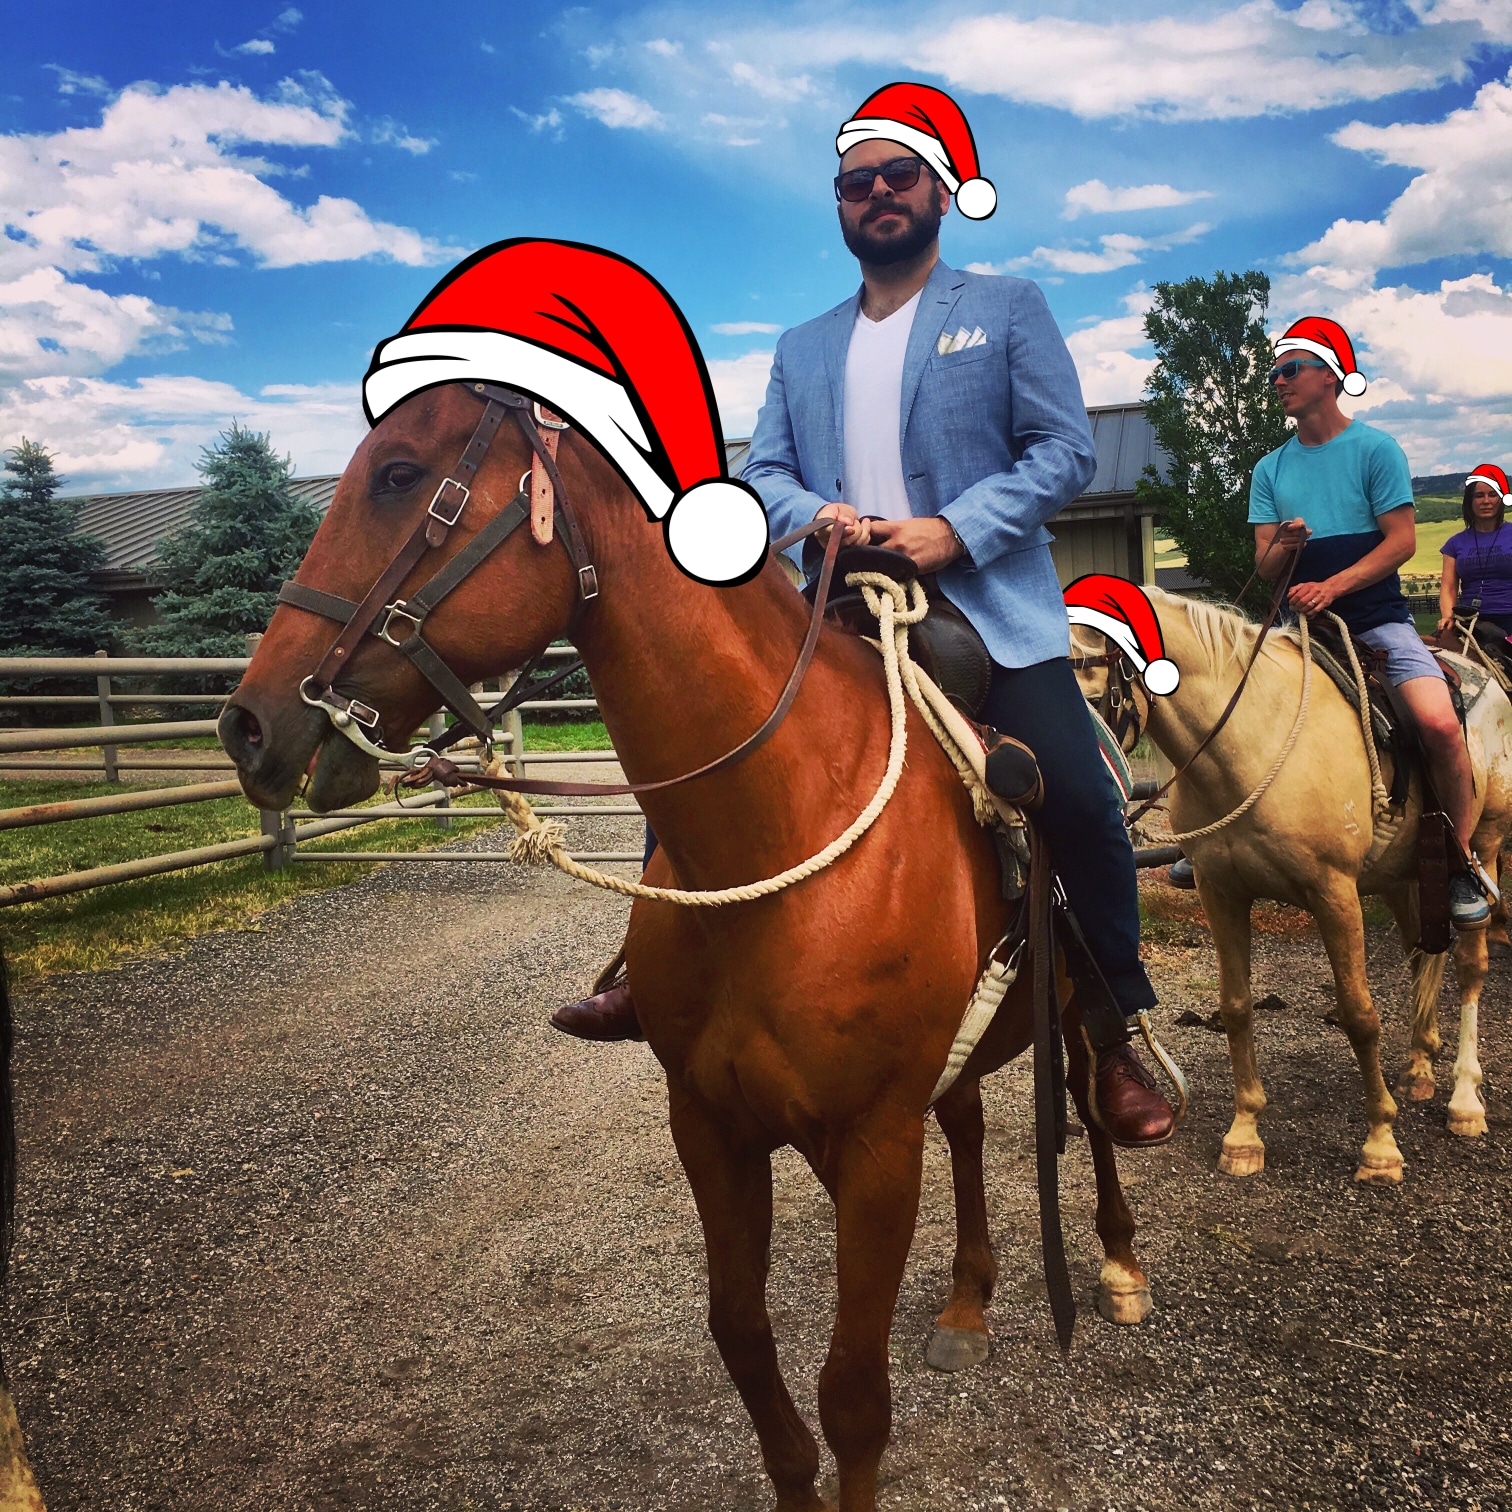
(216, 211)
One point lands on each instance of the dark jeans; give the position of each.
(1082, 816)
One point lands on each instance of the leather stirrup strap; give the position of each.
(1048, 1090)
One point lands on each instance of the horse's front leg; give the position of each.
(874, 1177)
(1336, 907)
(1123, 1294)
(1228, 917)
(960, 1335)
(1467, 1113)
(732, 1185)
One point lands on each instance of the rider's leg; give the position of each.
(1082, 817)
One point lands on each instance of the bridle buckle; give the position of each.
(540, 419)
(398, 610)
(437, 510)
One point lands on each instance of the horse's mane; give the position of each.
(1225, 634)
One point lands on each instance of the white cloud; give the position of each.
(1248, 60)
(663, 48)
(288, 18)
(769, 85)
(740, 386)
(1119, 250)
(1460, 203)
(551, 121)
(161, 174)
(70, 83)
(745, 328)
(49, 324)
(614, 107)
(1105, 355)
(1095, 198)
(149, 433)
(387, 132)
(258, 45)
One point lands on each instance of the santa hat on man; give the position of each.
(1121, 611)
(1492, 476)
(599, 341)
(930, 122)
(1329, 340)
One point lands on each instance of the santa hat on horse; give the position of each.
(931, 123)
(1329, 340)
(1121, 611)
(599, 341)
(1493, 477)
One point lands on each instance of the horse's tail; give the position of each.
(7, 1129)
(1427, 979)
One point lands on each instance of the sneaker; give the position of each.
(1468, 908)
(1181, 875)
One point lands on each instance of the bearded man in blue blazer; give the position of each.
(939, 414)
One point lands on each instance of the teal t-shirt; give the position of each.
(1338, 489)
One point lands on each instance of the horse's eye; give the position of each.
(397, 478)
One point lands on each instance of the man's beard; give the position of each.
(882, 251)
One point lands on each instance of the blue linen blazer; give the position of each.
(994, 437)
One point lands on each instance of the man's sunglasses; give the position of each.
(1289, 370)
(855, 184)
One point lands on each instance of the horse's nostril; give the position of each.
(240, 732)
(251, 731)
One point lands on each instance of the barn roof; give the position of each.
(131, 524)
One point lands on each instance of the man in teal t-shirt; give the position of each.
(1338, 493)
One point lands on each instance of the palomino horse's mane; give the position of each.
(1224, 634)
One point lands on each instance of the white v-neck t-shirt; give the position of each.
(873, 414)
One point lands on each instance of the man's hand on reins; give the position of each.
(858, 532)
(928, 539)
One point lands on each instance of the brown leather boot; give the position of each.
(1126, 1101)
(607, 1015)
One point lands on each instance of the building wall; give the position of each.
(1102, 545)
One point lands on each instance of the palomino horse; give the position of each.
(818, 1017)
(1310, 840)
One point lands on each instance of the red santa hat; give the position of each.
(1329, 340)
(1492, 476)
(1121, 611)
(930, 122)
(599, 341)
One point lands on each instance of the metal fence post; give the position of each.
(107, 717)
(514, 725)
(438, 728)
(274, 858)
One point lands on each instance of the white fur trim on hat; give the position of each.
(1354, 383)
(596, 404)
(877, 129)
(1490, 483)
(1163, 671)
(1161, 676)
(717, 532)
(976, 199)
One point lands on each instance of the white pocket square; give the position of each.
(960, 341)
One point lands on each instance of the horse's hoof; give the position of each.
(1379, 1171)
(1123, 1306)
(1468, 1124)
(1497, 950)
(952, 1349)
(1417, 1088)
(1241, 1160)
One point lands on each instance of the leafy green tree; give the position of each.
(221, 573)
(1215, 415)
(47, 606)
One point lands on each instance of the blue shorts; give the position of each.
(1406, 655)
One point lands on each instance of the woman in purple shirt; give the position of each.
(1477, 574)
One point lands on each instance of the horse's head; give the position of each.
(519, 598)
(1110, 683)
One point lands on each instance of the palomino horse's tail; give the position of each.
(1427, 978)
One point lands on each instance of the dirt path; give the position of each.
(326, 1216)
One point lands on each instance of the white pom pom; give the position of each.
(1354, 384)
(1161, 677)
(976, 199)
(717, 532)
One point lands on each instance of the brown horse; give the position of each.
(818, 1017)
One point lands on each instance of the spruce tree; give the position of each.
(221, 573)
(1215, 413)
(47, 606)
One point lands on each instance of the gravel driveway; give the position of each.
(326, 1216)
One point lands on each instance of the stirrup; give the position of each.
(1163, 1059)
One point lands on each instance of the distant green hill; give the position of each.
(1441, 483)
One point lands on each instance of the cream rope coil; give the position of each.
(1280, 760)
(896, 610)
(1380, 799)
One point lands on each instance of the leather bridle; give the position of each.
(399, 622)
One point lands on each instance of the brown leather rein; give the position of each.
(391, 618)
